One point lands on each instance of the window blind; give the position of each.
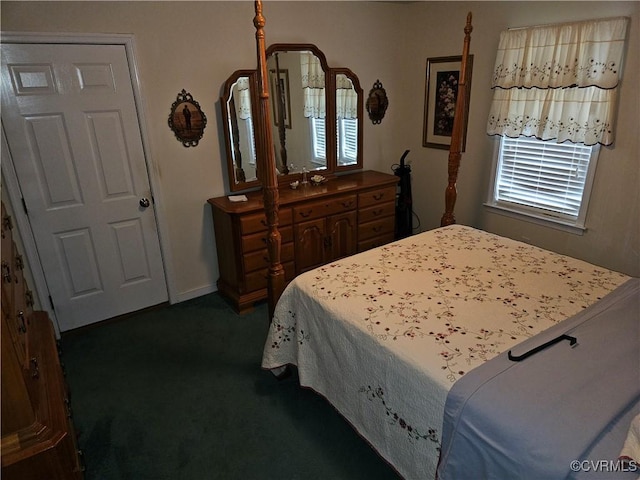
(542, 175)
(319, 136)
(348, 144)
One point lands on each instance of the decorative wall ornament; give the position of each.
(187, 119)
(377, 103)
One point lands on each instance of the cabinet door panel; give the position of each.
(309, 244)
(341, 231)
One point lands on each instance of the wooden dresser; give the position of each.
(318, 224)
(38, 438)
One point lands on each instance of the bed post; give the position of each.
(267, 169)
(455, 148)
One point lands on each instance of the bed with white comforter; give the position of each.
(386, 333)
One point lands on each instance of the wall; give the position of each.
(612, 238)
(197, 45)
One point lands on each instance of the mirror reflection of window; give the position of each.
(347, 120)
(241, 131)
(318, 142)
(347, 141)
(251, 146)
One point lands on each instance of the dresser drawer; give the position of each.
(257, 222)
(375, 242)
(373, 197)
(258, 241)
(376, 228)
(258, 280)
(376, 212)
(330, 206)
(260, 259)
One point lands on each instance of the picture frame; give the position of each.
(283, 83)
(441, 89)
(187, 120)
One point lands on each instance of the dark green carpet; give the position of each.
(178, 393)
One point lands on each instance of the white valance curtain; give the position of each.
(242, 98)
(313, 83)
(346, 98)
(559, 82)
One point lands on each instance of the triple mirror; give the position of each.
(304, 93)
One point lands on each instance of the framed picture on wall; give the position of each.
(281, 100)
(441, 92)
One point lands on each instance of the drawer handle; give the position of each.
(28, 298)
(264, 222)
(377, 228)
(81, 462)
(378, 212)
(306, 214)
(22, 327)
(378, 196)
(7, 224)
(6, 272)
(19, 262)
(348, 204)
(35, 369)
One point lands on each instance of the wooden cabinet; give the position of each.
(38, 438)
(325, 230)
(318, 224)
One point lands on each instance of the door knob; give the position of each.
(144, 202)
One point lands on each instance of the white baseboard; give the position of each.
(195, 293)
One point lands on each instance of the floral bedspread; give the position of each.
(384, 334)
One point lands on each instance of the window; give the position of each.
(546, 181)
(558, 83)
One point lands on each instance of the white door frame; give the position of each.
(13, 187)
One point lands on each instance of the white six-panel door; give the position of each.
(71, 123)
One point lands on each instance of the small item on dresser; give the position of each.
(317, 179)
(238, 198)
(294, 185)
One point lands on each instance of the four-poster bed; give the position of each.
(267, 169)
(390, 336)
(267, 163)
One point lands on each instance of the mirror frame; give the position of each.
(235, 186)
(356, 86)
(330, 86)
